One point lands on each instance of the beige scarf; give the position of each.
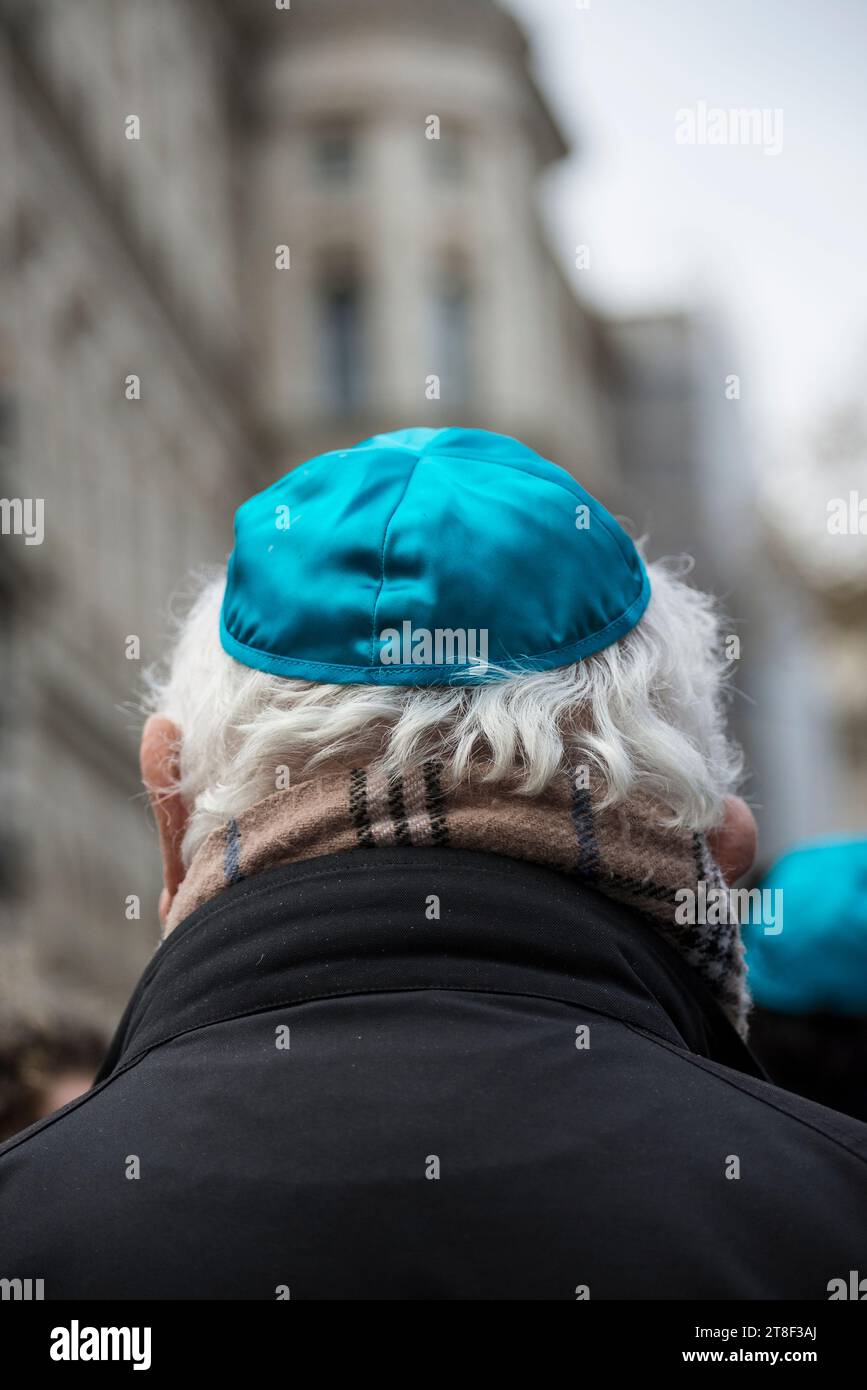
(622, 850)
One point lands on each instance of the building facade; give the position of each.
(120, 338)
(398, 149)
(237, 234)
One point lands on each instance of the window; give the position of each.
(334, 153)
(449, 156)
(451, 334)
(340, 307)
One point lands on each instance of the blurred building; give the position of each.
(324, 226)
(120, 262)
(397, 150)
(815, 518)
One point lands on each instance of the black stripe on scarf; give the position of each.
(397, 807)
(232, 853)
(358, 810)
(435, 802)
(585, 830)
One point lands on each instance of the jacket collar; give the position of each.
(407, 919)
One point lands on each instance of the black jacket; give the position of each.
(431, 1130)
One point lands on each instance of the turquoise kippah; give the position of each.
(425, 557)
(818, 962)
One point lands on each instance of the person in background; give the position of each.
(43, 1066)
(809, 982)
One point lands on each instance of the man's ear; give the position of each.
(733, 844)
(160, 768)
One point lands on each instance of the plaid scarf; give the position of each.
(621, 850)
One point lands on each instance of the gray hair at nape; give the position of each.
(648, 713)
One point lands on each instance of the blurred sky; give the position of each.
(776, 245)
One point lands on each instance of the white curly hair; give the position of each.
(648, 713)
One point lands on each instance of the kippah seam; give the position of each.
(394, 512)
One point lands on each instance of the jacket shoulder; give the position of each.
(839, 1130)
